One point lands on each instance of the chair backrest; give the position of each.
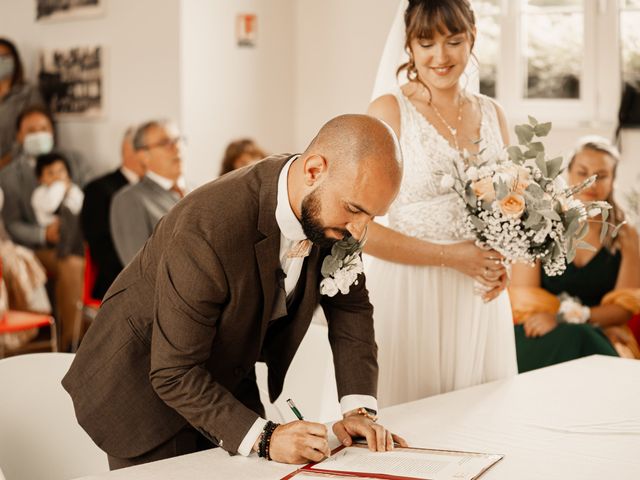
(89, 280)
(39, 433)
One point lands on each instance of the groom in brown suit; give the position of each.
(168, 365)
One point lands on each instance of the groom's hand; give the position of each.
(379, 439)
(299, 442)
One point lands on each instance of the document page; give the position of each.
(407, 463)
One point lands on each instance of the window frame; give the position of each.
(601, 80)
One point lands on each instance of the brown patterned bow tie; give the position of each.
(300, 249)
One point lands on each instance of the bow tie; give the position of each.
(300, 249)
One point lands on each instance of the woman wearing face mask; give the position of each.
(435, 332)
(584, 310)
(35, 136)
(15, 96)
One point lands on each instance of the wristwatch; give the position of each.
(370, 413)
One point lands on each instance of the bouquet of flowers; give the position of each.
(520, 206)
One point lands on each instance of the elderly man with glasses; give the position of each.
(137, 209)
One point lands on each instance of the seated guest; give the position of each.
(15, 96)
(240, 154)
(22, 286)
(563, 317)
(96, 210)
(136, 209)
(18, 181)
(58, 200)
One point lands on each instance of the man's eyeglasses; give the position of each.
(166, 143)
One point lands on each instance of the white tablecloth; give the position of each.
(577, 420)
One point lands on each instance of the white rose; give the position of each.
(328, 287)
(472, 173)
(343, 279)
(447, 181)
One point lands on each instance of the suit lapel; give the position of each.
(268, 249)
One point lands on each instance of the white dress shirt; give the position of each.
(290, 233)
(131, 176)
(165, 182)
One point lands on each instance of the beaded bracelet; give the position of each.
(265, 439)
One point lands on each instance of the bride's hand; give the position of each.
(485, 266)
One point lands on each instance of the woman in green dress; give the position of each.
(583, 311)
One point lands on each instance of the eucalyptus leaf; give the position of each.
(536, 146)
(584, 229)
(524, 133)
(571, 253)
(616, 230)
(604, 230)
(515, 154)
(572, 228)
(542, 164)
(554, 166)
(542, 129)
(477, 223)
(532, 121)
(550, 214)
(470, 196)
(533, 220)
(586, 246)
(330, 265)
(502, 189)
(535, 191)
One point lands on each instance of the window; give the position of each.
(630, 41)
(558, 59)
(488, 43)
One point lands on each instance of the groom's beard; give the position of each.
(313, 229)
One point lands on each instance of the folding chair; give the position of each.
(15, 321)
(90, 305)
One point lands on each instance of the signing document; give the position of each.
(401, 463)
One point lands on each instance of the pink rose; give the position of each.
(484, 190)
(512, 205)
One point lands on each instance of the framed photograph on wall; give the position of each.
(72, 81)
(54, 10)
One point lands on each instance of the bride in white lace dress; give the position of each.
(434, 332)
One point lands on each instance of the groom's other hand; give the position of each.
(299, 442)
(379, 439)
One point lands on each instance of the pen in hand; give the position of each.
(294, 409)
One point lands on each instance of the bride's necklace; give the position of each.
(452, 130)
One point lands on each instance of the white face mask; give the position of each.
(38, 143)
(7, 66)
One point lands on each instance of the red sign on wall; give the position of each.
(246, 27)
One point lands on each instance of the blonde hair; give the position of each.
(600, 144)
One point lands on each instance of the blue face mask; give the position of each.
(7, 66)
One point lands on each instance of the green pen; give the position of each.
(294, 409)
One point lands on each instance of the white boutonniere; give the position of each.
(341, 268)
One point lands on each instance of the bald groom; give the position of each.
(167, 367)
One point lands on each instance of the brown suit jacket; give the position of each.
(181, 328)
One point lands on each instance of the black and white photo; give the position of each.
(72, 81)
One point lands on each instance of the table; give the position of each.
(576, 420)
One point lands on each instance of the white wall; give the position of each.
(229, 91)
(338, 46)
(141, 75)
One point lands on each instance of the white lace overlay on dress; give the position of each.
(423, 208)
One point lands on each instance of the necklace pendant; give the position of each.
(454, 131)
